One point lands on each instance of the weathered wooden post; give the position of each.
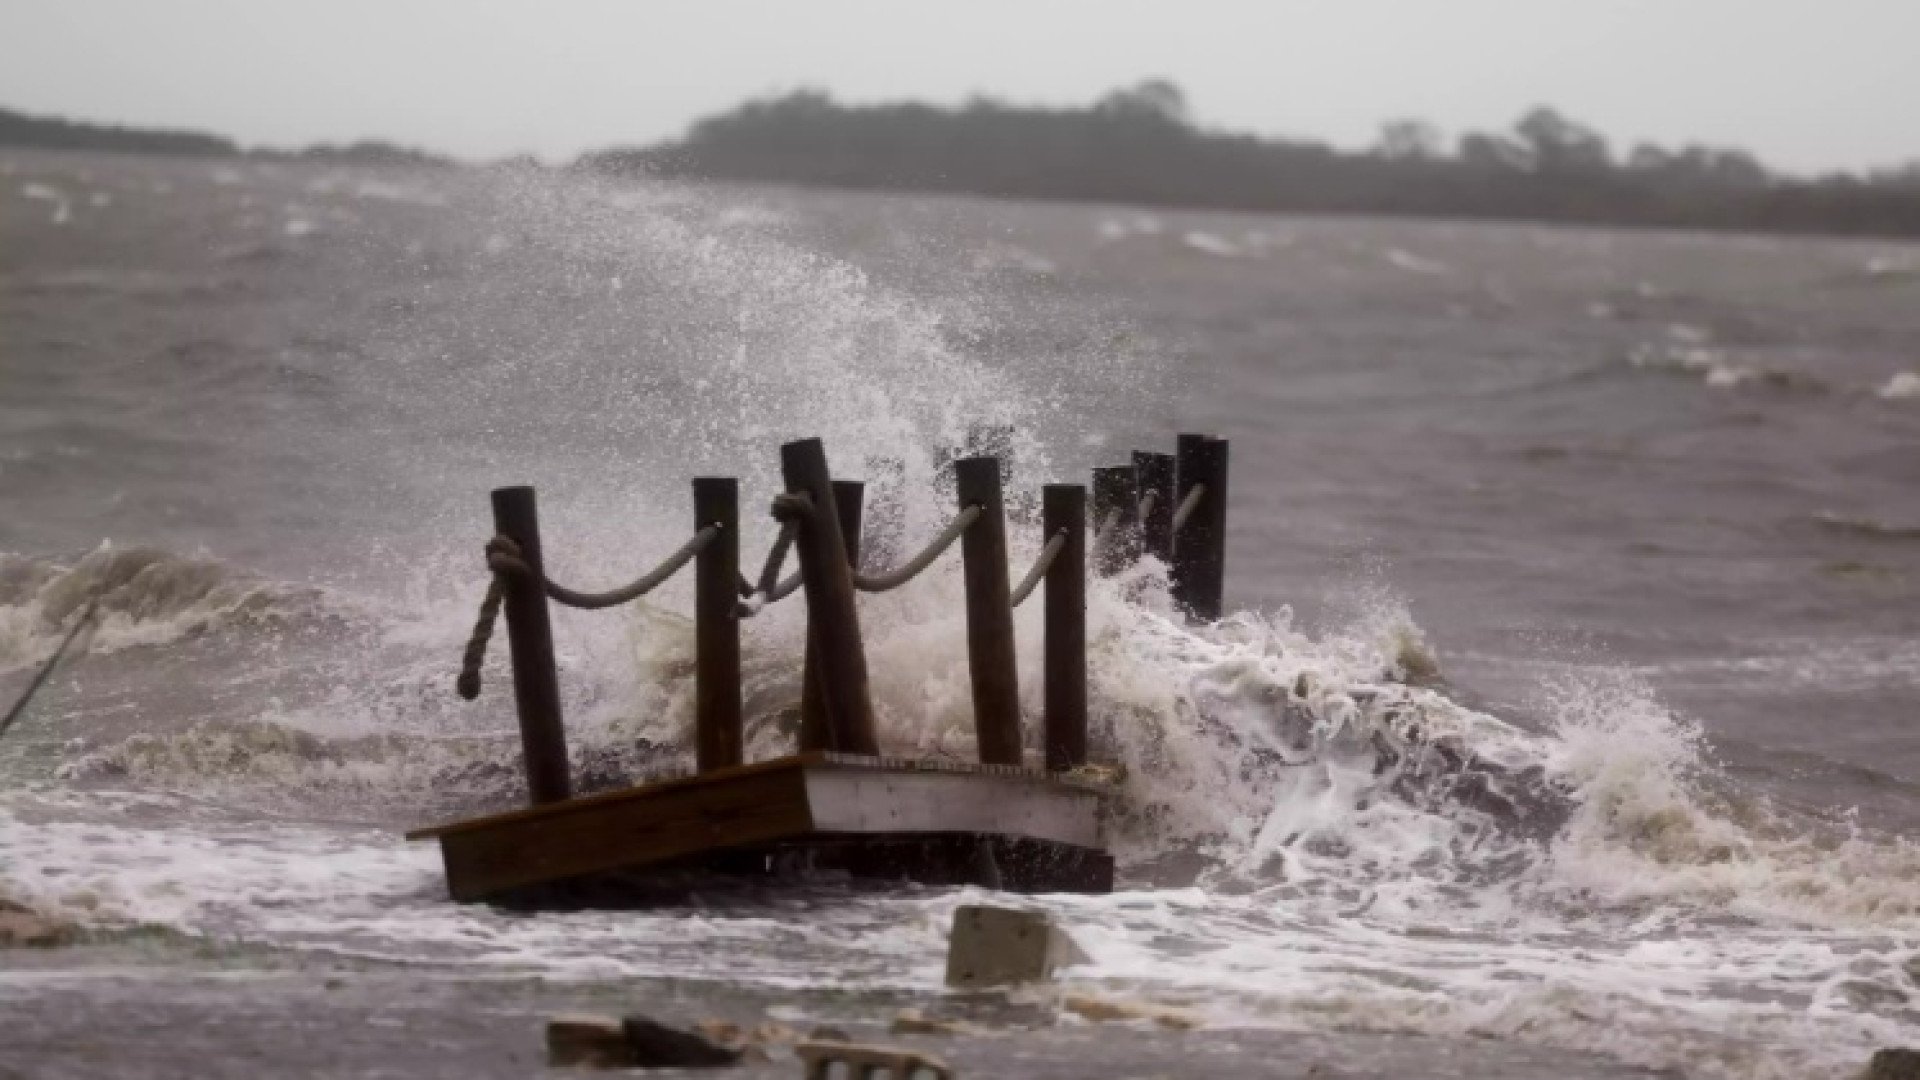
(833, 621)
(536, 680)
(990, 652)
(718, 738)
(1114, 494)
(1199, 550)
(1154, 475)
(816, 732)
(1063, 512)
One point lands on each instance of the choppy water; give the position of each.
(1650, 503)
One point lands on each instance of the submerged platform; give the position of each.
(1002, 827)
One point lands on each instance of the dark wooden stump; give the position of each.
(718, 737)
(816, 733)
(1064, 513)
(536, 678)
(832, 617)
(990, 646)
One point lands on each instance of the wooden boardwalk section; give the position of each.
(997, 826)
(835, 804)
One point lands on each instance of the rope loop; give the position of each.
(503, 557)
(770, 589)
(792, 506)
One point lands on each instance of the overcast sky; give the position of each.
(1807, 85)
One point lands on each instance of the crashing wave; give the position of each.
(145, 597)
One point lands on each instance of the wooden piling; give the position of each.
(1200, 547)
(718, 736)
(536, 678)
(1154, 475)
(1063, 511)
(833, 620)
(816, 733)
(1113, 491)
(990, 651)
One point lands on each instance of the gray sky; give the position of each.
(1807, 85)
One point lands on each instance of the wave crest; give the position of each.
(146, 597)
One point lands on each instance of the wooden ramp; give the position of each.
(933, 822)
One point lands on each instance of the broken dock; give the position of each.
(835, 803)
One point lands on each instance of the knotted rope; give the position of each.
(467, 683)
(789, 509)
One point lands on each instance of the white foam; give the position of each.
(1904, 384)
(1211, 243)
(62, 211)
(1418, 264)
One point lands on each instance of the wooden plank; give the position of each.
(855, 801)
(795, 761)
(651, 825)
(589, 802)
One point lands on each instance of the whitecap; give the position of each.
(1407, 260)
(1211, 243)
(1904, 384)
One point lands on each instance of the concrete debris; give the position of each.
(993, 946)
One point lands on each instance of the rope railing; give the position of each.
(1040, 567)
(1165, 509)
(893, 579)
(504, 557)
(1188, 505)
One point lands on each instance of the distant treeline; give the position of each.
(52, 133)
(1138, 145)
